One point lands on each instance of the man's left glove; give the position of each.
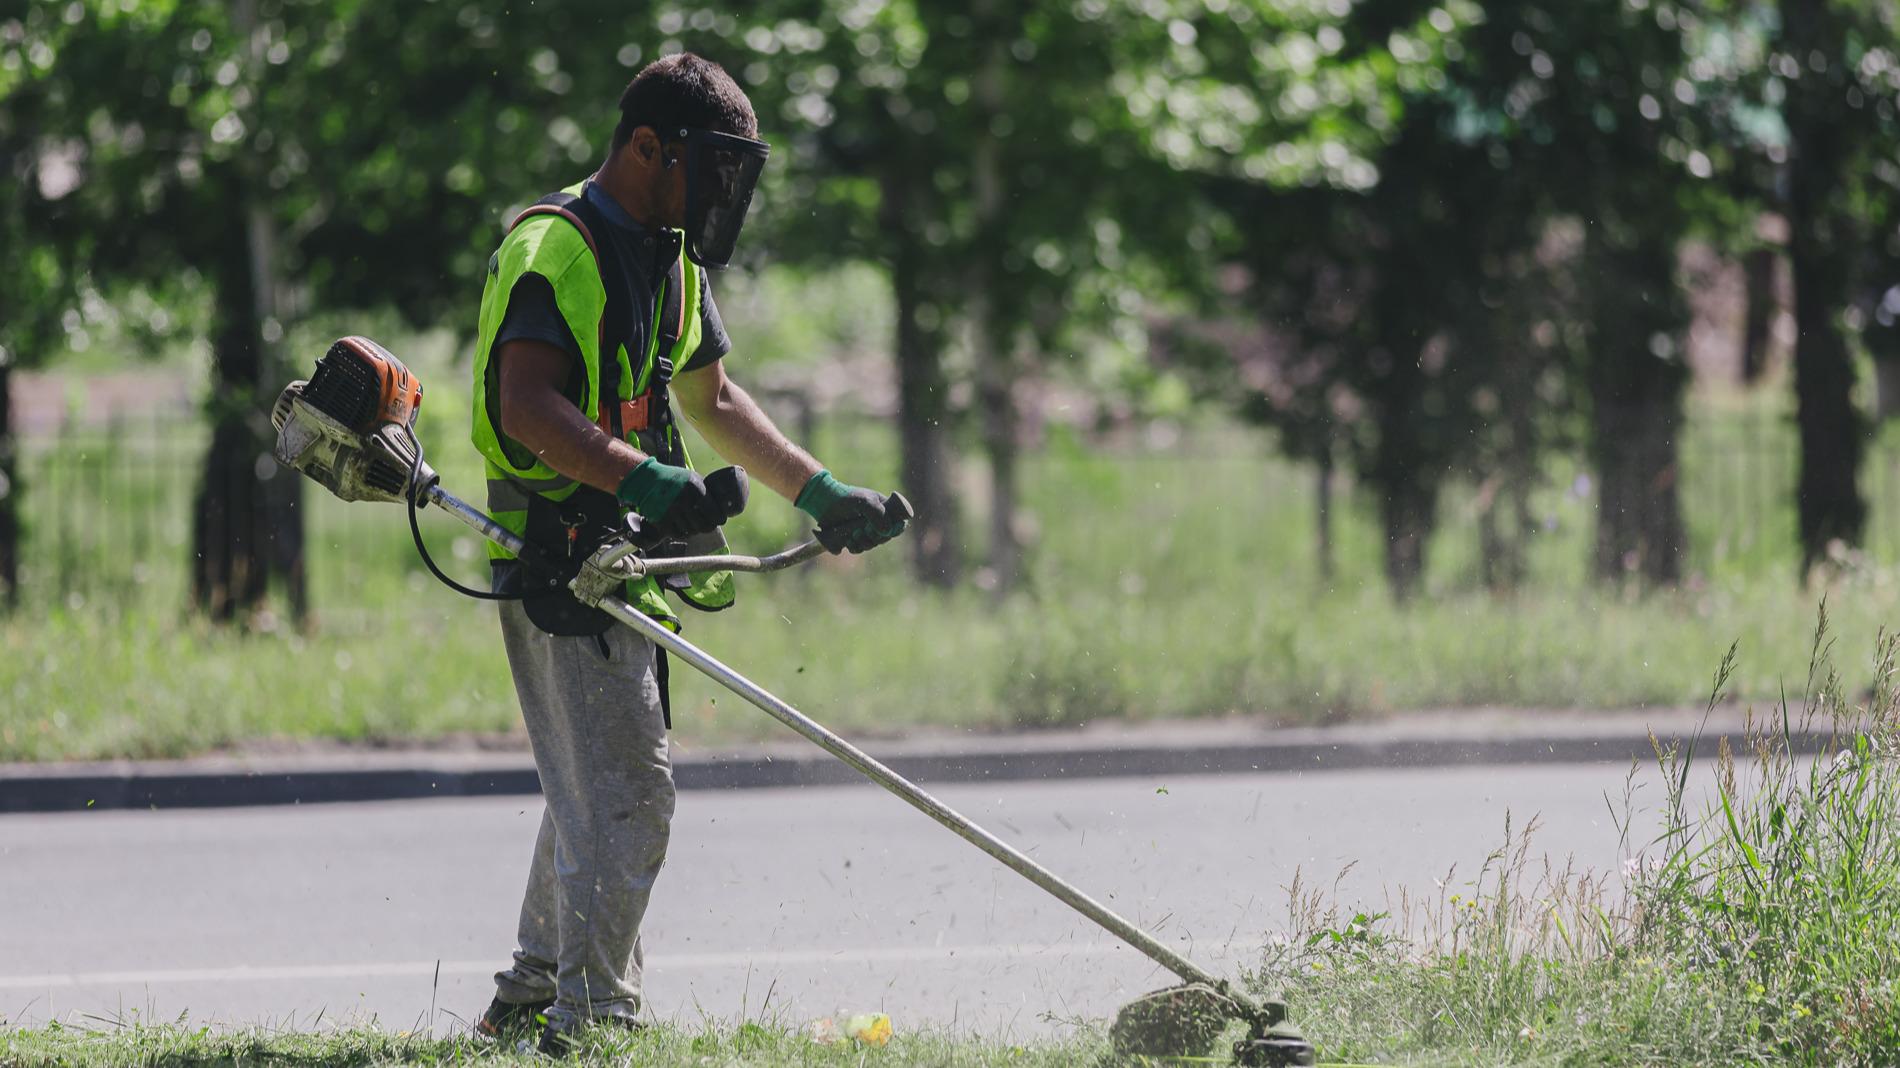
(849, 517)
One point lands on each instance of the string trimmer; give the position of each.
(351, 428)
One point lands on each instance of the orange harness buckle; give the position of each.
(633, 415)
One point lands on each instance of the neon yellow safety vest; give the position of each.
(554, 247)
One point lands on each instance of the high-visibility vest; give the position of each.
(660, 301)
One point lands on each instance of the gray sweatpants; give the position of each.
(592, 708)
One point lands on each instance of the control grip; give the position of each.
(896, 506)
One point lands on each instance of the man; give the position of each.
(590, 322)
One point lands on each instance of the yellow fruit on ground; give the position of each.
(870, 1028)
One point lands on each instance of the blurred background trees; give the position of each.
(1419, 243)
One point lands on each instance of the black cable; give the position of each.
(415, 531)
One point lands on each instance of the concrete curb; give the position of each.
(1189, 748)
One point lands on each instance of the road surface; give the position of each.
(789, 904)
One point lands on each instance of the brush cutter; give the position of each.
(350, 428)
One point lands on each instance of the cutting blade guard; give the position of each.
(351, 426)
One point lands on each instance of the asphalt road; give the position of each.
(793, 903)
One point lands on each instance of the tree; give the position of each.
(1514, 261)
(1368, 245)
(1834, 88)
(360, 151)
(1615, 138)
(34, 276)
(863, 168)
(976, 151)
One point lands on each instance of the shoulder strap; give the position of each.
(673, 313)
(561, 204)
(616, 320)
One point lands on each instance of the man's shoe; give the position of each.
(558, 1043)
(505, 1017)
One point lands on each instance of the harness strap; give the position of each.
(670, 327)
(652, 410)
(664, 677)
(616, 320)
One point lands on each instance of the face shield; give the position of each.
(722, 170)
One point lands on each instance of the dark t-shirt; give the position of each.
(533, 314)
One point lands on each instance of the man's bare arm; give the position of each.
(732, 422)
(537, 414)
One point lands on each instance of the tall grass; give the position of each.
(1754, 921)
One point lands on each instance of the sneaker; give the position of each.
(506, 1017)
(559, 1042)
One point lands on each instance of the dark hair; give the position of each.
(684, 90)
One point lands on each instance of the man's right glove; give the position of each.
(672, 500)
(849, 517)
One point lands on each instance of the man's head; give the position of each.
(687, 150)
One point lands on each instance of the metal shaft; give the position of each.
(831, 743)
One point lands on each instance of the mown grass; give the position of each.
(1756, 926)
(710, 1046)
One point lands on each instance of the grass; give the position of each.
(709, 1046)
(857, 648)
(1148, 598)
(1756, 926)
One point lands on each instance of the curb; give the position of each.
(220, 782)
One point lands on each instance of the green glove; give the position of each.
(674, 499)
(848, 517)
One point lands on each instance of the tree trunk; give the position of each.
(246, 524)
(1323, 514)
(1827, 492)
(1881, 337)
(9, 492)
(995, 338)
(1408, 510)
(1405, 468)
(1758, 273)
(231, 527)
(1637, 378)
(282, 488)
(1639, 516)
(1886, 386)
(997, 398)
(1505, 527)
(923, 392)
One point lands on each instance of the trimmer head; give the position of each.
(1179, 1021)
(1187, 1021)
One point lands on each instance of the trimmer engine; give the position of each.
(351, 426)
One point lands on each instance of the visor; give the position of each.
(722, 170)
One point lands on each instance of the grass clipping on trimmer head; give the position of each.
(1176, 1021)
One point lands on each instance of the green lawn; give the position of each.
(710, 1046)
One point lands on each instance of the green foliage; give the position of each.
(381, 143)
(1431, 239)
